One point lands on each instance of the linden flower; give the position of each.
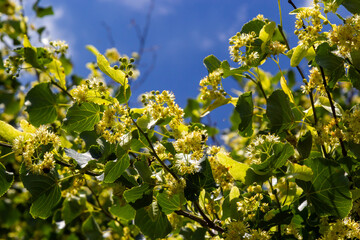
(311, 31)
(211, 87)
(243, 40)
(276, 48)
(29, 147)
(112, 55)
(346, 37)
(186, 165)
(192, 142)
(59, 46)
(162, 105)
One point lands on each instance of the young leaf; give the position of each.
(115, 74)
(42, 105)
(266, 33)
(286, 89)
(8, 132)
(82, 117)
(329, 189)
(236, 169)
(301, 172)
(298, 54)
(6, 179)
(55, 67)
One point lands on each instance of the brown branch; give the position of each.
(200, 220)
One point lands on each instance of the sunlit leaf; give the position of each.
(115, 74)
(82, 117)
(236, 169)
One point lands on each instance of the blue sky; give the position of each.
(183, 32)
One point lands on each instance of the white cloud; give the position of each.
(54, 27)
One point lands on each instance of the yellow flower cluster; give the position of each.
(311, 31)
(315, 82)
(115, 123)
(346, 37)
(243, 40)
(261, 147)
(342, 229)
(89, 90)
(174, 186)
(58, 47)
(28, 146)
(276, 48)
(162, 105)
(351, 121)
(211, 87)
(220, 172)
(192, 143)
(248, 206)
(238, 230)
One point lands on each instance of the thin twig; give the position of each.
(154, 152)
(343, 149)
(2, 144)
(200, 220)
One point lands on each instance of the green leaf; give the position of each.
(41, 11)
(304, 145)
(200, 180)
(169, 203)
(113, 170)
(266, 33)
(91, 229)
(245, 107)
(325, 103)
(211, 63)
(6, 180)
(279, 111)
(354, 76)
(301, 172)
(329, 189)
(143, 168)
(82, 117)
(73, 207)
(299, 53)
(115, 74)
(45, 192)
(135, 193)
(125, 212)
(352, 6)
(236, 169)
(123, 94)
(55, 68)
(42, 105)
(152, 222)
(332, 64)
(217, 103)
(253, 26)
